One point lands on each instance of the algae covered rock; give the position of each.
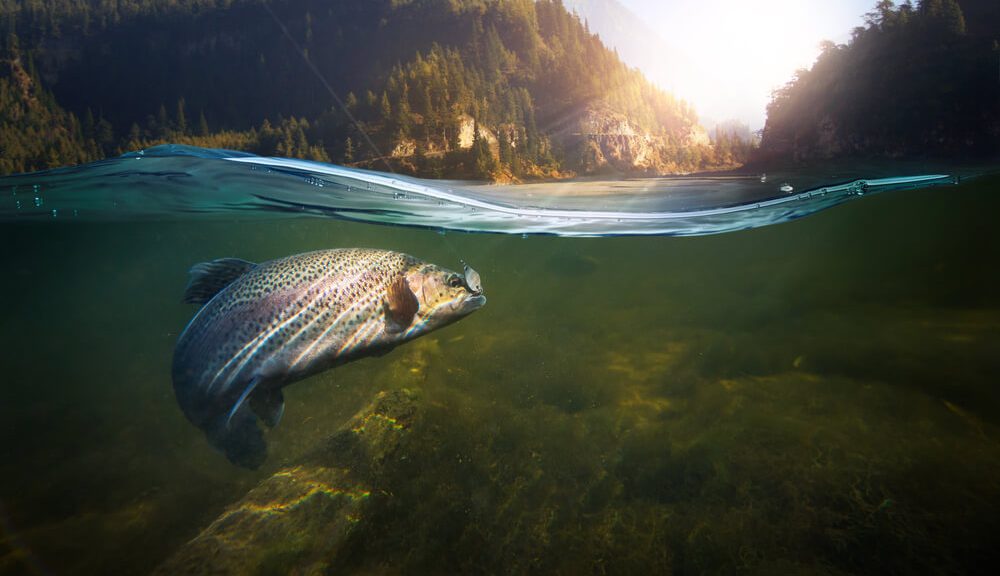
(296, 520)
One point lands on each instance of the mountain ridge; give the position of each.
(407, 72)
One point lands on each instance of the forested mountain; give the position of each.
(636, 40)
(484, 88)
(914, 81)
(34, 130)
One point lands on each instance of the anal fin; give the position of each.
(268, 404)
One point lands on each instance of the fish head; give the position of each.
(443, 296)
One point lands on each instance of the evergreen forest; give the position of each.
(493, 89)
(917, 80)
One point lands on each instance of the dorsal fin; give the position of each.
(209, 278)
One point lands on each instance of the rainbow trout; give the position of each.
(264, 326)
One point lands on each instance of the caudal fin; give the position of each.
(239, 438)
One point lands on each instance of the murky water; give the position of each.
(817, 396)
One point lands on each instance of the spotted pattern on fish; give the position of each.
(286, 319)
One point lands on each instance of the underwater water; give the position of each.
(813, 396)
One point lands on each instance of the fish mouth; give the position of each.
(474, 302)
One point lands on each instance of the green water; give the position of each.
(815, 397)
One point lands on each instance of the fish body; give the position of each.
(264, 326)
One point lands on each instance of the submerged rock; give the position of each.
(296, 520)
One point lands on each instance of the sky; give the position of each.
(733, 53)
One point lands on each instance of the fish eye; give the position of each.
(454, 281)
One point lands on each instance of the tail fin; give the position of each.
(239, 438)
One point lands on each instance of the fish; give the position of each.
(264, 326)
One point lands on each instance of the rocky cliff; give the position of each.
(608, 141)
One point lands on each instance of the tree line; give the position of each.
(480, 88)
(915, 80)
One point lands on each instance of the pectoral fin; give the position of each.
(400, 307)
(251, 386)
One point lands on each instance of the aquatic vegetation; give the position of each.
(788, 470)
(300, 515)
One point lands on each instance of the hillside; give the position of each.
(34, 130)
(635, 40)
(451, 88)
(913, 82)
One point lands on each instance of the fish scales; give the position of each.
(271, 307)
(283, 320)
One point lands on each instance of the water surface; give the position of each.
(177, 182)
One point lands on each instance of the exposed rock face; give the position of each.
(297, 520)
(404, 148)
(698, 136)
(608, 141)
(466, 133)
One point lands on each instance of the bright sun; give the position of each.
(730, 54)
(748, 48)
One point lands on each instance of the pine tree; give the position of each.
(348, 150)
(181, 116)
(202, 124)
(162, 122)
(385, 108)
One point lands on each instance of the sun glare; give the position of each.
(749, 48)
(733, 53)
